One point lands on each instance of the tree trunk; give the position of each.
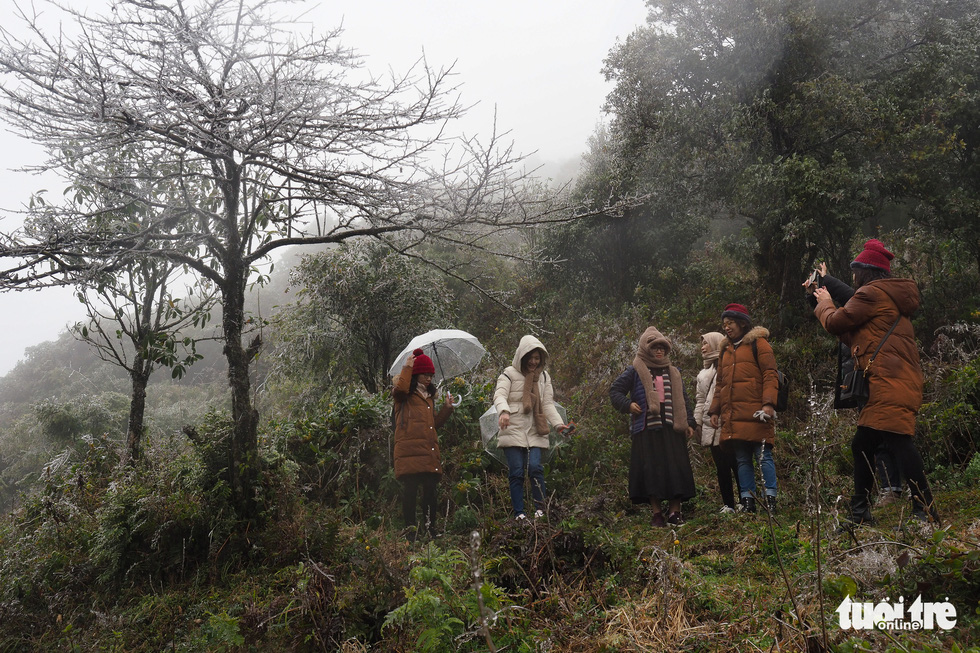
(243, 471)
(140, 377)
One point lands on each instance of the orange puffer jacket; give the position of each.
(744, 386)
(895, 377)
(416, 421)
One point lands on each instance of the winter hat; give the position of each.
(874, 257)
(650, 338)
(715, 340)
(738, 312)
(423, 364)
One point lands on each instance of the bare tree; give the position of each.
(135, 322)
(297, 143)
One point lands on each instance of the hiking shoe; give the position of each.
(919, 514)
(727, 510)
(521, 517)
(675, 518)
(658, 520)
(538, 514)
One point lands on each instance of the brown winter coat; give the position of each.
(895, 377)
(416, 421)
(744, 387)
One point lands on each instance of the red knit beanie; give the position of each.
(874, 256)
(423, 364)
(736, 311)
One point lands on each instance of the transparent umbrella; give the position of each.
(453, 352)
(489, 429)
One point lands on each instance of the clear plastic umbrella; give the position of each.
(489, 428)
(453, 352)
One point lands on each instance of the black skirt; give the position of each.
(660, 467)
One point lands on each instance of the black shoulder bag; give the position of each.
(854, 391)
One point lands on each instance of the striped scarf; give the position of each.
(658, 419)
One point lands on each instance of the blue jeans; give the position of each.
(519, 458)
(745, 452)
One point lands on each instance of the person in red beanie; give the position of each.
(417, 458)
(744, 404)
(877, 318)
(889, 475)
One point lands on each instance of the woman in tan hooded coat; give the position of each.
(525, 402)
(660, 467)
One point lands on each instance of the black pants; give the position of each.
(866, 441)
(889, 474)
(410, 487)
(725, 465)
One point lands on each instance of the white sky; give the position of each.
(536, 62)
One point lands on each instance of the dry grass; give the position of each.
(653, 623)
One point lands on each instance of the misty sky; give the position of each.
(536, 62)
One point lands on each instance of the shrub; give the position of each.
(441, 608)
(66, 421)
(950, 417)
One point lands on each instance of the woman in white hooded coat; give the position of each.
(525, 402)
(709, 436)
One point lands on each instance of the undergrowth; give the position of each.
(148, 560)
(105, 557)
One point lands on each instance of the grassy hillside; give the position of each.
(128, 567)
(104, 559)
(100, 557)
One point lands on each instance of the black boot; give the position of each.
(926, 515)
(748, 504)
(771, 503)
(861, 510)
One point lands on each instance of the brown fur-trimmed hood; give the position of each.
(753, 334)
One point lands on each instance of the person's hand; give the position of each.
(449, 400)
(715, 422)
(410, 361)
(812, 285)
(635, 409)
(690, 432)
(765, 414)
(504, 420)
(821, 294)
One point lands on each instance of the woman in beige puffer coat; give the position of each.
(709, 436)
(525, 402)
